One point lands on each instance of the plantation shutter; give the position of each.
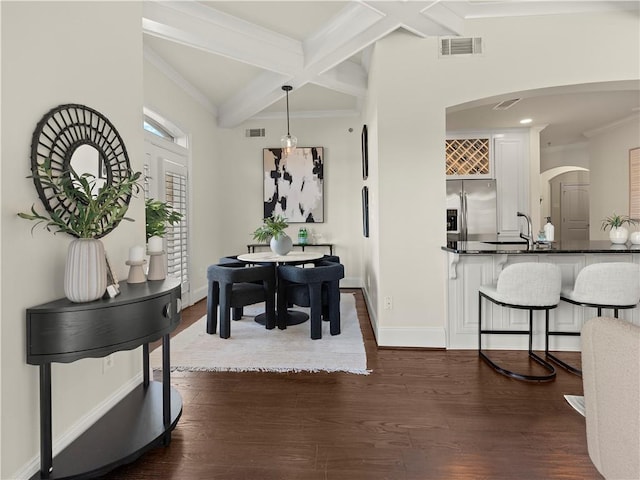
(177, 234)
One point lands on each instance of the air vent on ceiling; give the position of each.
(254, 132)
(460, 46)
(506, 104)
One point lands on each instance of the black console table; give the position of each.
(251, 247)
(63, 332)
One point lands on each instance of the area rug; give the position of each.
(577, 402)
(253, 348)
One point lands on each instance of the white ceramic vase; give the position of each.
(618, 235)
(85, 275)
(635, 238)
(282, 244)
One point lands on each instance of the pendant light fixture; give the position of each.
(288, 141)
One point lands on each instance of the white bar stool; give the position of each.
(529, 286)
(614, 285)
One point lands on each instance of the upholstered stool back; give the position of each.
(607, 284)
(527, 284)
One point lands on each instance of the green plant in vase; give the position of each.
(273, 231)
(87, 209)
(615, 223)
(158, 216)
(98, 209)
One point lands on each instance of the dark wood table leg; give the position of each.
(145, 365)
(166, 389)
(46, 443)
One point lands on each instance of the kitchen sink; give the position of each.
(508, 242)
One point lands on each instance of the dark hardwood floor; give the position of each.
(421, 414)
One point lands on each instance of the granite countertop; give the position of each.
(492, 246)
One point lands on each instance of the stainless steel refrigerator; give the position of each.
(471, 209)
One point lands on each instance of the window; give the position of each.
(154, 127)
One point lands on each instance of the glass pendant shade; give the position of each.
(289, 143)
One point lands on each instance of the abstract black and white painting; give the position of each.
(294, 184)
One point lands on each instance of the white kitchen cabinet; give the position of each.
(511, 163)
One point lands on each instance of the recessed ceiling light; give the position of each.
(525, 121)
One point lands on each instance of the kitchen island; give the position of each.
(478, 262)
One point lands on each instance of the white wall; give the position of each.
(411, 99)
(609, 153)
(55, 53)
(576, 155)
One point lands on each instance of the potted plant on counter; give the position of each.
(272, 230)
(618, 233)
(158, 216)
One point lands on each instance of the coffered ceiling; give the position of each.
(233, 57)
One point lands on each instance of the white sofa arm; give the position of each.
(611, 379)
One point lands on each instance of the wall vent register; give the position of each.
(460, 46)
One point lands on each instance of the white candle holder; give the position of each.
(157, 266)
(136, 272)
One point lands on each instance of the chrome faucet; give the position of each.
(529, 236)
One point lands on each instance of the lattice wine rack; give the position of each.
(467, 156)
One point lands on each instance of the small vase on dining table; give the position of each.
(281, 244)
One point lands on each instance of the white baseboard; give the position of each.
(199, 294)
(373, 319)
(78, 428)
(351, 282)
(420, 337)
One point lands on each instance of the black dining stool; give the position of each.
(317, 288)
(236, 285)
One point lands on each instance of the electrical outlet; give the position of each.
(107, 363)
(388, 303)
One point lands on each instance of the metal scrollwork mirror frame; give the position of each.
(58, 135)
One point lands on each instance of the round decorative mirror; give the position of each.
(77, 144)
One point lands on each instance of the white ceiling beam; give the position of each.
(321, 59)
(424, 19)
(353, 37)
(265, 90)
(195, 25)
(448, 20)
(348, 25)
(348, 77)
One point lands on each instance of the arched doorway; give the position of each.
(565, 198)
